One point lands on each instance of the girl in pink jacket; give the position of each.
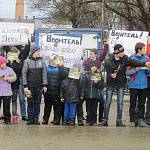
(7, 76)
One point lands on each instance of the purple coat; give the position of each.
(5, 86)
(88, 62)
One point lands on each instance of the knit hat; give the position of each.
(118, 48)
(2, 60)
(35, 48)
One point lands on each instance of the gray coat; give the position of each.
(34, 72)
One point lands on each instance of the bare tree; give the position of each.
(130, 14)
(79, 12)
(136, 13)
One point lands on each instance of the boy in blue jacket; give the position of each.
(138, 85)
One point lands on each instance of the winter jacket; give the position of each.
(34, 72)
(89, 89)
(17, 69)
(88, 63)
(24, 53)
(70, 90)
(5, 86)
(111, 64)
(138, 79)
(55, 76)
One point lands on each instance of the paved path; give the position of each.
(22, 137)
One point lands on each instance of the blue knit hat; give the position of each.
(35, 48)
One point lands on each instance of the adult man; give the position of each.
(93, 60)
(22, 57)
(115, 67)
(34, 76)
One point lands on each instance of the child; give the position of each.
(56, 73)
(7, 76)
(90, 90)
(138, 84)
(69, 94)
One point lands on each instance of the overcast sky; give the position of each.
(7, 10)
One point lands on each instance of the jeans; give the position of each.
(101, 105)
(70, 111)
(14, 101)
(22, 100)
(109, 94)
(102, 97)
(33, 108)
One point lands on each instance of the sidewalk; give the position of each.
(21, 136)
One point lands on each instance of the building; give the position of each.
(19, 9)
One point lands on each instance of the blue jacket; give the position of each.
(55, 77)
(138, 79)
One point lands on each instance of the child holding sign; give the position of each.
(69, 94)
(91, 86)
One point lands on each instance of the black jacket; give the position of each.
(70, 90)
(34, 72)
(111, 64)
(55, 79)
(17, 69)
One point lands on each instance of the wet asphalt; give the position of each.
(49, 137)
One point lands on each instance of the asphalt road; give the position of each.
(23, 137)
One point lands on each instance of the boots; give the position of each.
(104, 123)
(119, 123)
(65, 122)
(72, 122)
(80, 123)
(141, 123)
(45, 122)
(56, 122)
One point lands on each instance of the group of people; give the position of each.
(67, 94)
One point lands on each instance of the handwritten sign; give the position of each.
(67, 46)
(13, 36)
(128, 39)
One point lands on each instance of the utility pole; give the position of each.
(102, 22)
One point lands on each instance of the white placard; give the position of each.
(89, 41)
(13, 36)
(67, 46)
(128, 39)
